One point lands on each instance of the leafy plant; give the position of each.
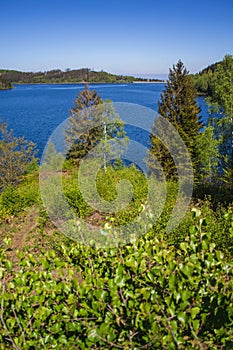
(144, 295)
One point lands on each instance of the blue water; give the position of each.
(34, 111)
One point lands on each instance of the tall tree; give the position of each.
(15, 155)
(178, 105)
(221, 102)
(80, 136)
(93, 121)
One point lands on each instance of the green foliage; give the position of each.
(82, 134)
(218, 87)
(106, 184)
(93, 122)
(51, 159)
(216, 219)
(68, 76)
(15, 156)
(14, 199)
(178, 105)
(203, 82)
(207, 155)
(10, 201)
(29, 190)
(74, 195)
(145, 294)
(221, 102)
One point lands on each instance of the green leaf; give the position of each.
(111, 336)
(183, 246)
(104, 328)
(150, 276)
(172, 281)
(187, 270)
(120, 281)
(195, 325)
(182, 318)
(8, 264)
(92, 335)
(194, 312)
(101, 294)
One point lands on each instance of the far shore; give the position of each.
(73, 82)
(93, 82)
(149, 82)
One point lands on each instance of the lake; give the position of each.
(34, 111)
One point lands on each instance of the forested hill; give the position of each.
(203, 80)
(211, 68)
(67, 76)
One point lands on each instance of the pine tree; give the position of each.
(80, 136)
(178, 105)
(93, 121)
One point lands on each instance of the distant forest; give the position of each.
(67, 76)
(204, 80)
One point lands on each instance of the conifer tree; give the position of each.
(92, 121)
(178, 105)
(80, 136)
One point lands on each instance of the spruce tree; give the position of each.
(178, 105)
(80, 136)
(94, 122)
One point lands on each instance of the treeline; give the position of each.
(68, 76)
(204, 80)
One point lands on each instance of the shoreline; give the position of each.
(73, 83)
(150, 82)
(93, 82)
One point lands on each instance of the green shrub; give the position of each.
(10, 201)
(220, 226)
(13, 199)
(74, 195)
(147, 295)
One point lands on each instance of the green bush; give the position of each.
(10, 201)
(220, 226)
(13, 199)
(74, 195)
(106, 184)
(146, 295)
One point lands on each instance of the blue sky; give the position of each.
(143, 37)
